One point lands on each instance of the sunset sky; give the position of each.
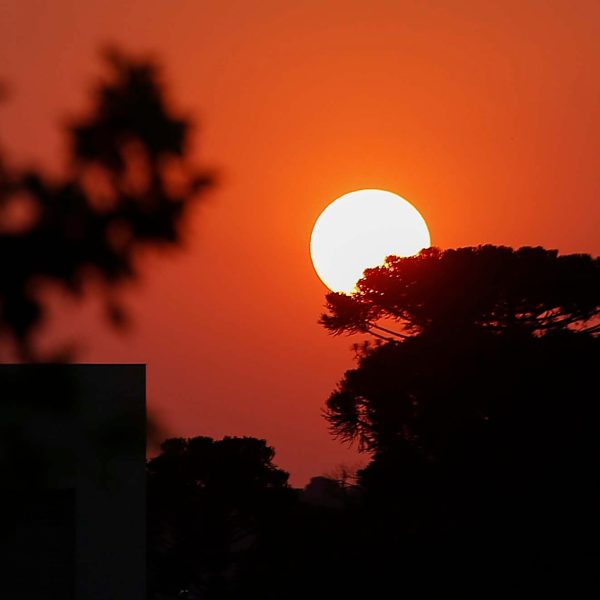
(484, 115)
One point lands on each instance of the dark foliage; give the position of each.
(480, 411)
(210, 504)
(496, 288)
(479, 408)
(128, 185)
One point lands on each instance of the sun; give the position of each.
(358, 230)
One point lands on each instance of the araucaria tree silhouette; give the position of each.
(128, 184)
(478, 398)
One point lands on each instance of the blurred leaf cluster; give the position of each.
(128, 184)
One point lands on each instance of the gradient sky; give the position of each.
(485, 115)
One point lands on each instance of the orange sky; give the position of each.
(484, 115)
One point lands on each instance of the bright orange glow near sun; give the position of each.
(358, 230)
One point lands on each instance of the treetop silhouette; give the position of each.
(474, 325)
(530, 290)
(210, 503)
(236, 465)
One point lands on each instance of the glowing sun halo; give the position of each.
(358, 230)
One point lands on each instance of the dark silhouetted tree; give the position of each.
(495, 288)
(209, 502)
(129, 184)
(479, 406)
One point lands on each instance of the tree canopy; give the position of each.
(497, 288)
(459, 316)
(234, 466)
(478, 403)
(209, 503)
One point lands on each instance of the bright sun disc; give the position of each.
(358, 230)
